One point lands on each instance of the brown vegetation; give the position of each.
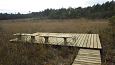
(69, 25)
(34, 54)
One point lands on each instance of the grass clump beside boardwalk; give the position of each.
(34, 53)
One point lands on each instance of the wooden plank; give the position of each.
(90, 52)
(85, 41)
(98, 41)
(91, 41)
(87, 63)
(77, 39)
(88, 43)
(53, 40)
(95, 42)
(71, 41)
(91, 57)
(87, 60)
(40, 39)
(60, 41)
(82, 41)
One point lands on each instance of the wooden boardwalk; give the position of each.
(71, 39)
(87, 57)
(90, 46)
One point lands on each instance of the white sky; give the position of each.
(24, 6)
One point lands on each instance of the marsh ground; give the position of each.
(35, 54)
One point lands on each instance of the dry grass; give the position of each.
(70, 25)
(51, 55)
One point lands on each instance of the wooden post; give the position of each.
(19, 37)
(46, 39)
(65, 41)
(32, 39)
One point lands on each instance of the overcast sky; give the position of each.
(24, 6)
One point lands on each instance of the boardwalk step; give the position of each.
(87, 58)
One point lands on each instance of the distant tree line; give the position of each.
(6, 16)
(98, 11)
